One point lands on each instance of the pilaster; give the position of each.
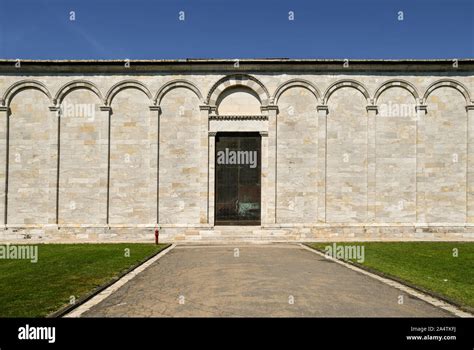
(3, 162)
(322, 113)
(212, 169)
(154, 144)
(371, 162)
(204, 164)
(269, 169)
(54, 157)
(421, 111)
(470, 165)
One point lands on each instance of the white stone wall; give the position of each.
(346, 194)
(30, 159)
(297, 157)
(179, 200)
(332, 168)
(396, 157)
(443, 163)
(132, 196)
(83, 156)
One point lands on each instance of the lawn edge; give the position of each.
(368, 270)
(67, 309)
(402, 281)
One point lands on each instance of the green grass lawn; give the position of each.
(63, 270)
(428, 265)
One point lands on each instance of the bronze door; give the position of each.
(237, 185)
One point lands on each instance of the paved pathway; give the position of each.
(264, 280)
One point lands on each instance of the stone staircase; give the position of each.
(254, 234)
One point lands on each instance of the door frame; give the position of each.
(259, 157)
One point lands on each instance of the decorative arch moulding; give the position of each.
(238, 80)
(76, 85)
(23, 85)
(396, 83)
(126, 84)
(268, 102)
(302, 83)
(447, 83)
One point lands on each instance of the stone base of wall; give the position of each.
(227, 234)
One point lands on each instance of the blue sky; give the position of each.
(150, 29)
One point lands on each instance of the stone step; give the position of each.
(242, 238)
(218, 235)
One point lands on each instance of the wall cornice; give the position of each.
(255, 66)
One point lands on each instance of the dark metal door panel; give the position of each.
(238, 173)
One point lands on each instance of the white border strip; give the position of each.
(77, 312)
(425, 297)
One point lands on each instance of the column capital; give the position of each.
(264, 133)
(212, 133)
(470, 108)
(212, 109)
(56, 110)
(205, 108)
(105, 108)
(421, 108)
(3, 109)
(269, 108)
(372, 108)
(323, 110)
(155, 108)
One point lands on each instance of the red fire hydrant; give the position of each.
(157, 235)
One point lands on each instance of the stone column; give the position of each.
(421, 111)
(371, 163)
(204, 164)
(54, 156)
(322, 111)
(3, 161)
(470, 165)
(154, 144)
(269, 172)
(212, 168)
